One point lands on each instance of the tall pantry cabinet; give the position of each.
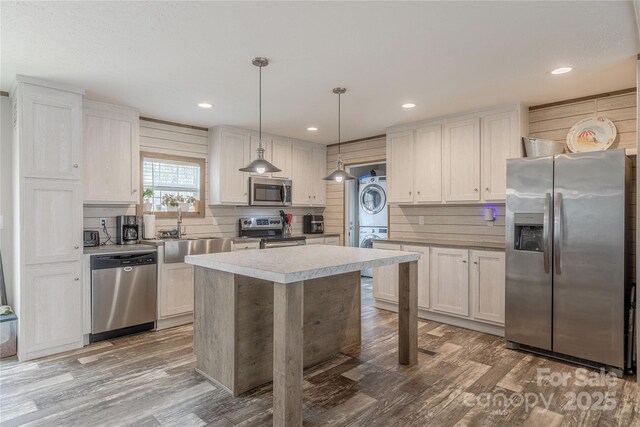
(47, 200)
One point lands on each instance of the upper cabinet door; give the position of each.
(281, 157)
(111, 154)
(319, 185)
(266, 144)
(428, 175)
(234, 155)
(400, 161)
(461, 165)
(51, 132)
(499, 137)
(301, 175)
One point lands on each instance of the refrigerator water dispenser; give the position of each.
(528, 232)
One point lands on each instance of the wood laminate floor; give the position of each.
(463, 378)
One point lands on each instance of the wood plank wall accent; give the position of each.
(220, 221)
(554, 122)
(353, 154)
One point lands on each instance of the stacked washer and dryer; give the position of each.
(373, 218)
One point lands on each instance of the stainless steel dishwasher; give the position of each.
(123, 294)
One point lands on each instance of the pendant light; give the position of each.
(260, 165)
(339, 175)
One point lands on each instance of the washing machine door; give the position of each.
(373, 199)
(367, 241)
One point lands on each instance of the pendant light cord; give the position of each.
(339, 141)
(260, 108)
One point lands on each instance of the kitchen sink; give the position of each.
(176, 249)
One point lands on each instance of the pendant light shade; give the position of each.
(260, 165)
(339, 175)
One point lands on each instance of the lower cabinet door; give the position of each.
(423, 273)
(385, 279)
(333, 241)
(450, 281)
(487, 277)
(51, 318)
(176, 289)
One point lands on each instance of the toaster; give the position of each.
(91, 238)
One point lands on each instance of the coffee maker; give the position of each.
(128, 230)
(312, 224)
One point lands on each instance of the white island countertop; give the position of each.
(297, 263)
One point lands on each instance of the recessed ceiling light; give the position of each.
(312, 128)
(205, 105)
(408, 105)
(561, 70)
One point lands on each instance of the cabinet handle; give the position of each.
(75, 165)
(245, 194)
(486, 189)
(409, 192)
(475, 189)
(418, 192)
(77, 279)
(464, 261)
(475, 262)
(134, 191)
(76, 247)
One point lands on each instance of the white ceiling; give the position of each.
(165, 57)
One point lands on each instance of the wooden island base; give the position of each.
(233, 325)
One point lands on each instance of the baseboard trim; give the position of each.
(449, 320)
(172, 322)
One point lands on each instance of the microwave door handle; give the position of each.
(557, 233)
(283, 193)
(546, 231)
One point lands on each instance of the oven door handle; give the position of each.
(284, 244)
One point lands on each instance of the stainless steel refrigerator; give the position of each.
(567, 281)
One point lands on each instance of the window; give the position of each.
(170, 183)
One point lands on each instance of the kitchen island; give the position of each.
(310, 294)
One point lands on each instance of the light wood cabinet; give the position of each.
(53, 221)
(454, 159)
(229, 151)
(52, 318)
(243, 246)
(281, 157)
(385, 279)
(309, 166)
(499, 142)
(487, 280)
(333, 241)
(428, 171)
(47, 201)
(423, 273)
(111, 153)
(176, 290)
(50, 132)
(400, 167)
(450, 280)
(461, 160)
(319, 171)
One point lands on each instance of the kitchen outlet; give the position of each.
(421, 220)
(103, 223)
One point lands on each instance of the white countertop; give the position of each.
(296, 263)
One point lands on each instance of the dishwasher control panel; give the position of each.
(126, 260)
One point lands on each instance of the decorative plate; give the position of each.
(594, 134)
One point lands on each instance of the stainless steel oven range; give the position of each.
(269, 230)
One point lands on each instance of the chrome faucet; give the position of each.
(179, 222)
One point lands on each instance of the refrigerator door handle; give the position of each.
(546, 225)
(557, 233)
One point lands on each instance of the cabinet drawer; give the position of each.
(244, 246)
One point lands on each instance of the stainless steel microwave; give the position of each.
(269, 192)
